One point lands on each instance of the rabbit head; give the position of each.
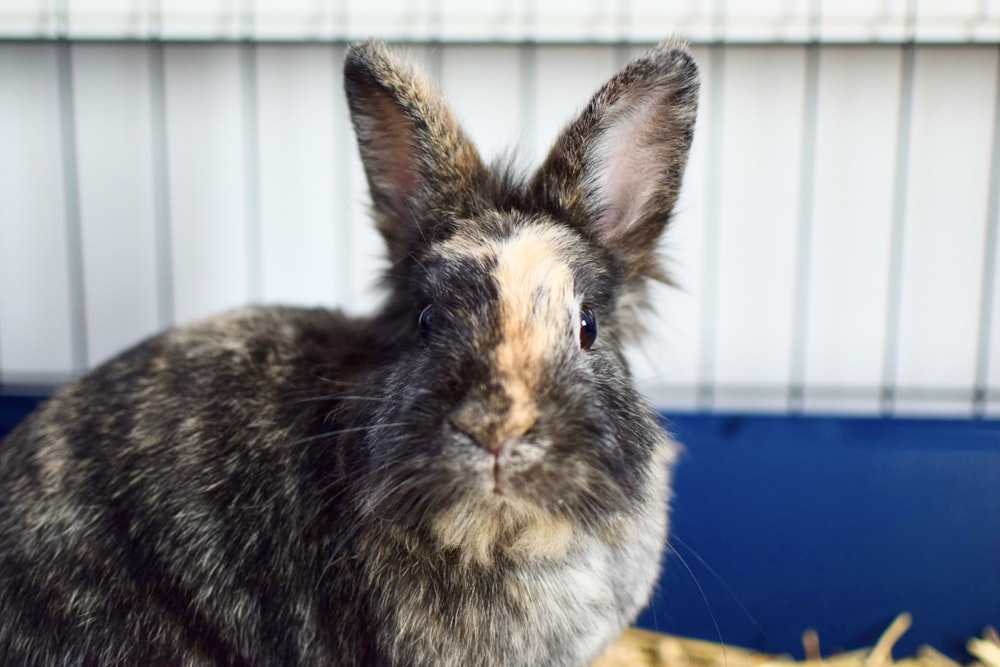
(509, 425)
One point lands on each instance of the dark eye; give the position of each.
(588, 328)
(426, 321)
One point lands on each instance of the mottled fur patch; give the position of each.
(480, 528)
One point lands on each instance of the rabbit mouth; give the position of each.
(504, 459)
(500, 481)
(495, 461)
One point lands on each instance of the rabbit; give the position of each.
(466, 477)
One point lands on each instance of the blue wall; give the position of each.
(786, 523)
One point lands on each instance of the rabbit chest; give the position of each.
(558, 611)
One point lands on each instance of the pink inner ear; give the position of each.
(628, 163)
(394, 155)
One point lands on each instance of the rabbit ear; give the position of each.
(421, 167)
(616, 169)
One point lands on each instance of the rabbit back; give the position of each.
(159, 507)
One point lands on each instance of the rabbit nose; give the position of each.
(496, 433)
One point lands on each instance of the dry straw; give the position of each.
(640, 648)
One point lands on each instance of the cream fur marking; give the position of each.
(476, 526)
(538, 308)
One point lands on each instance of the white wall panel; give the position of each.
(779, 19)
(565, 78)
(946, 208)
(852, 209)
(204, 122)
(204, 19)
(231, 175)
(758, 212)
(863, 20)
(483, 86)
(299, 216)
(34, 276)
(606, 21)
(944, 20)
(114, 137)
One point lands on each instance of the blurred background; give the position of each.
(831, 353)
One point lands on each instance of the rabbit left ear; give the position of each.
(616, 170)
(420, 165)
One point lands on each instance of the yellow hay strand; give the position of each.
(641, 648)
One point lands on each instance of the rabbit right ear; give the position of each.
(421, 167)
(616, 170)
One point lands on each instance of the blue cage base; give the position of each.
(836, 524)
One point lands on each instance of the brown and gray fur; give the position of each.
(464, 478)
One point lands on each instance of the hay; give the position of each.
(641, 648)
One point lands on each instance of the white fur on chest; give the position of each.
(573, 599)
(559, 613)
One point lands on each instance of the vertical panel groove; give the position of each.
(705, 398)
(989, 265)
(251, 159)
(800, 304)
(161, 188)
(890, 348)
(71, 184)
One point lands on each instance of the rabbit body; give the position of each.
(467, 477)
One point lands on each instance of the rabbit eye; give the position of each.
(588, 328)
(426, 321)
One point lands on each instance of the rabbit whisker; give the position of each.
(340, 397)
(704, 597)
(353, 429)
(327, 380)
(674, 538)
